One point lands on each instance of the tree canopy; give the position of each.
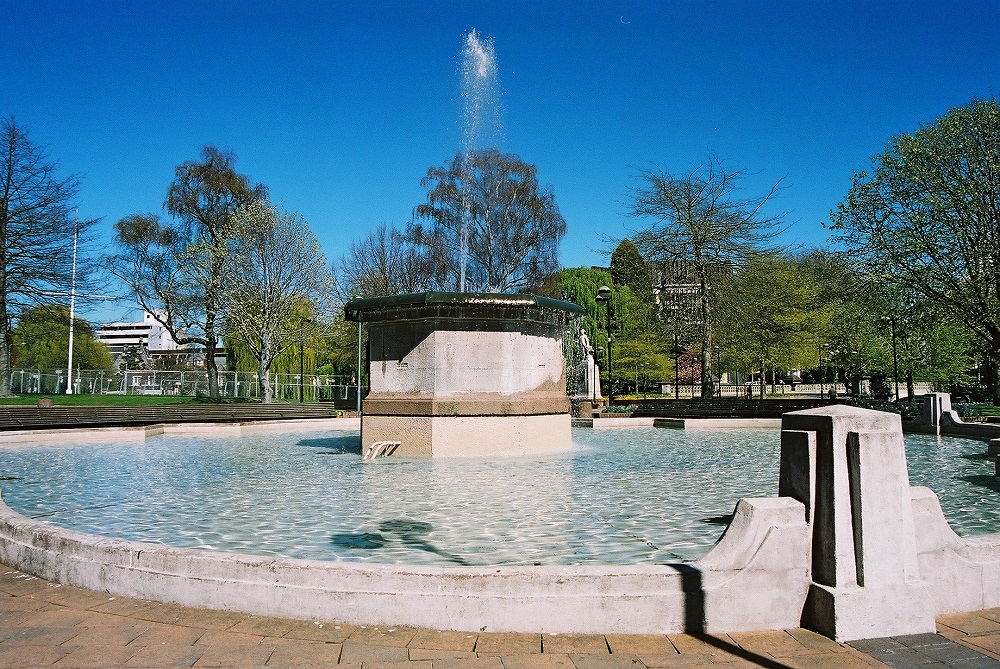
(41, 339)
(276, 285)
(927, 219)
(629, 268)
(491, 226)
(701, 219)
(177, 271)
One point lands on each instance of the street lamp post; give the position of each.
(302, 364)
(359, 363)
(822, 370)
(604, 295)
(858, 353)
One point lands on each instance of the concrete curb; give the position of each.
(754, 579)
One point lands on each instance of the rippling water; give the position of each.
(619, 497)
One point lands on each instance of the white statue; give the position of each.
(593, 371)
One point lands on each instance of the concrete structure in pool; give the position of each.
(465, 374)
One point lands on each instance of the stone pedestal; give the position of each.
(848, 466)
(993, 448)
(464, 374)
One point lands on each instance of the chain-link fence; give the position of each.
(341, 390)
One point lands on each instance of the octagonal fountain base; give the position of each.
(465, 374)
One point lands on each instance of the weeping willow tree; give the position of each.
(301, 356)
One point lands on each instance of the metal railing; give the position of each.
(340, 389)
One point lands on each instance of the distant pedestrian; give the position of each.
(749, 390)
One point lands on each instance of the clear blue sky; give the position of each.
(340, 107)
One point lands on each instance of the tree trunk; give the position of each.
(707, 380)
(212, 368)
(5, 344)
(266, 392)
(264, 361)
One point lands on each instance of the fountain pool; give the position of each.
(640, 495)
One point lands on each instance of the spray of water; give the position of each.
(480, 93)
(481, 100)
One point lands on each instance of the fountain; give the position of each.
(466, 374)
(847, 547)
(481, 100)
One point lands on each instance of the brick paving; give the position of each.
(44, 624)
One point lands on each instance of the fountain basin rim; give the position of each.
(477, 304)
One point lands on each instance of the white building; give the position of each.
(150, 338)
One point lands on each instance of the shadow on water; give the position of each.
(410, 533)
(349, 444)
(362, 540)
(990, 482)
(724, 519)
(976, 456)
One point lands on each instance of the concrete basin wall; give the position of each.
(755, 578)
(848, 549)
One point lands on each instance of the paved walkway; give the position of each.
(45, 624)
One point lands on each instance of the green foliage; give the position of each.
(926, 219)
(178, 272)
(629, 269)
(41, 341)
(770, 310)
(37, 227)
(640, 350)
(132, 358)
(700, 218)
(277, 286)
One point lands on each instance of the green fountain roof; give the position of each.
(441, 304)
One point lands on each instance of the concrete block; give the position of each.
(993, 448)
(757, 575)
(848, 466)
(450, 372)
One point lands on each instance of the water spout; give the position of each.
(380, 449)
(481, 99)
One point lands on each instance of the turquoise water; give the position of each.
(619, 497)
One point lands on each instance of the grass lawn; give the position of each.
(113, 400)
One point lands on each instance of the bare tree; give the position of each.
(36, 234)
(277, 285)
(700, 218)
(177, 271)
(384, 262)
(490, 218)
